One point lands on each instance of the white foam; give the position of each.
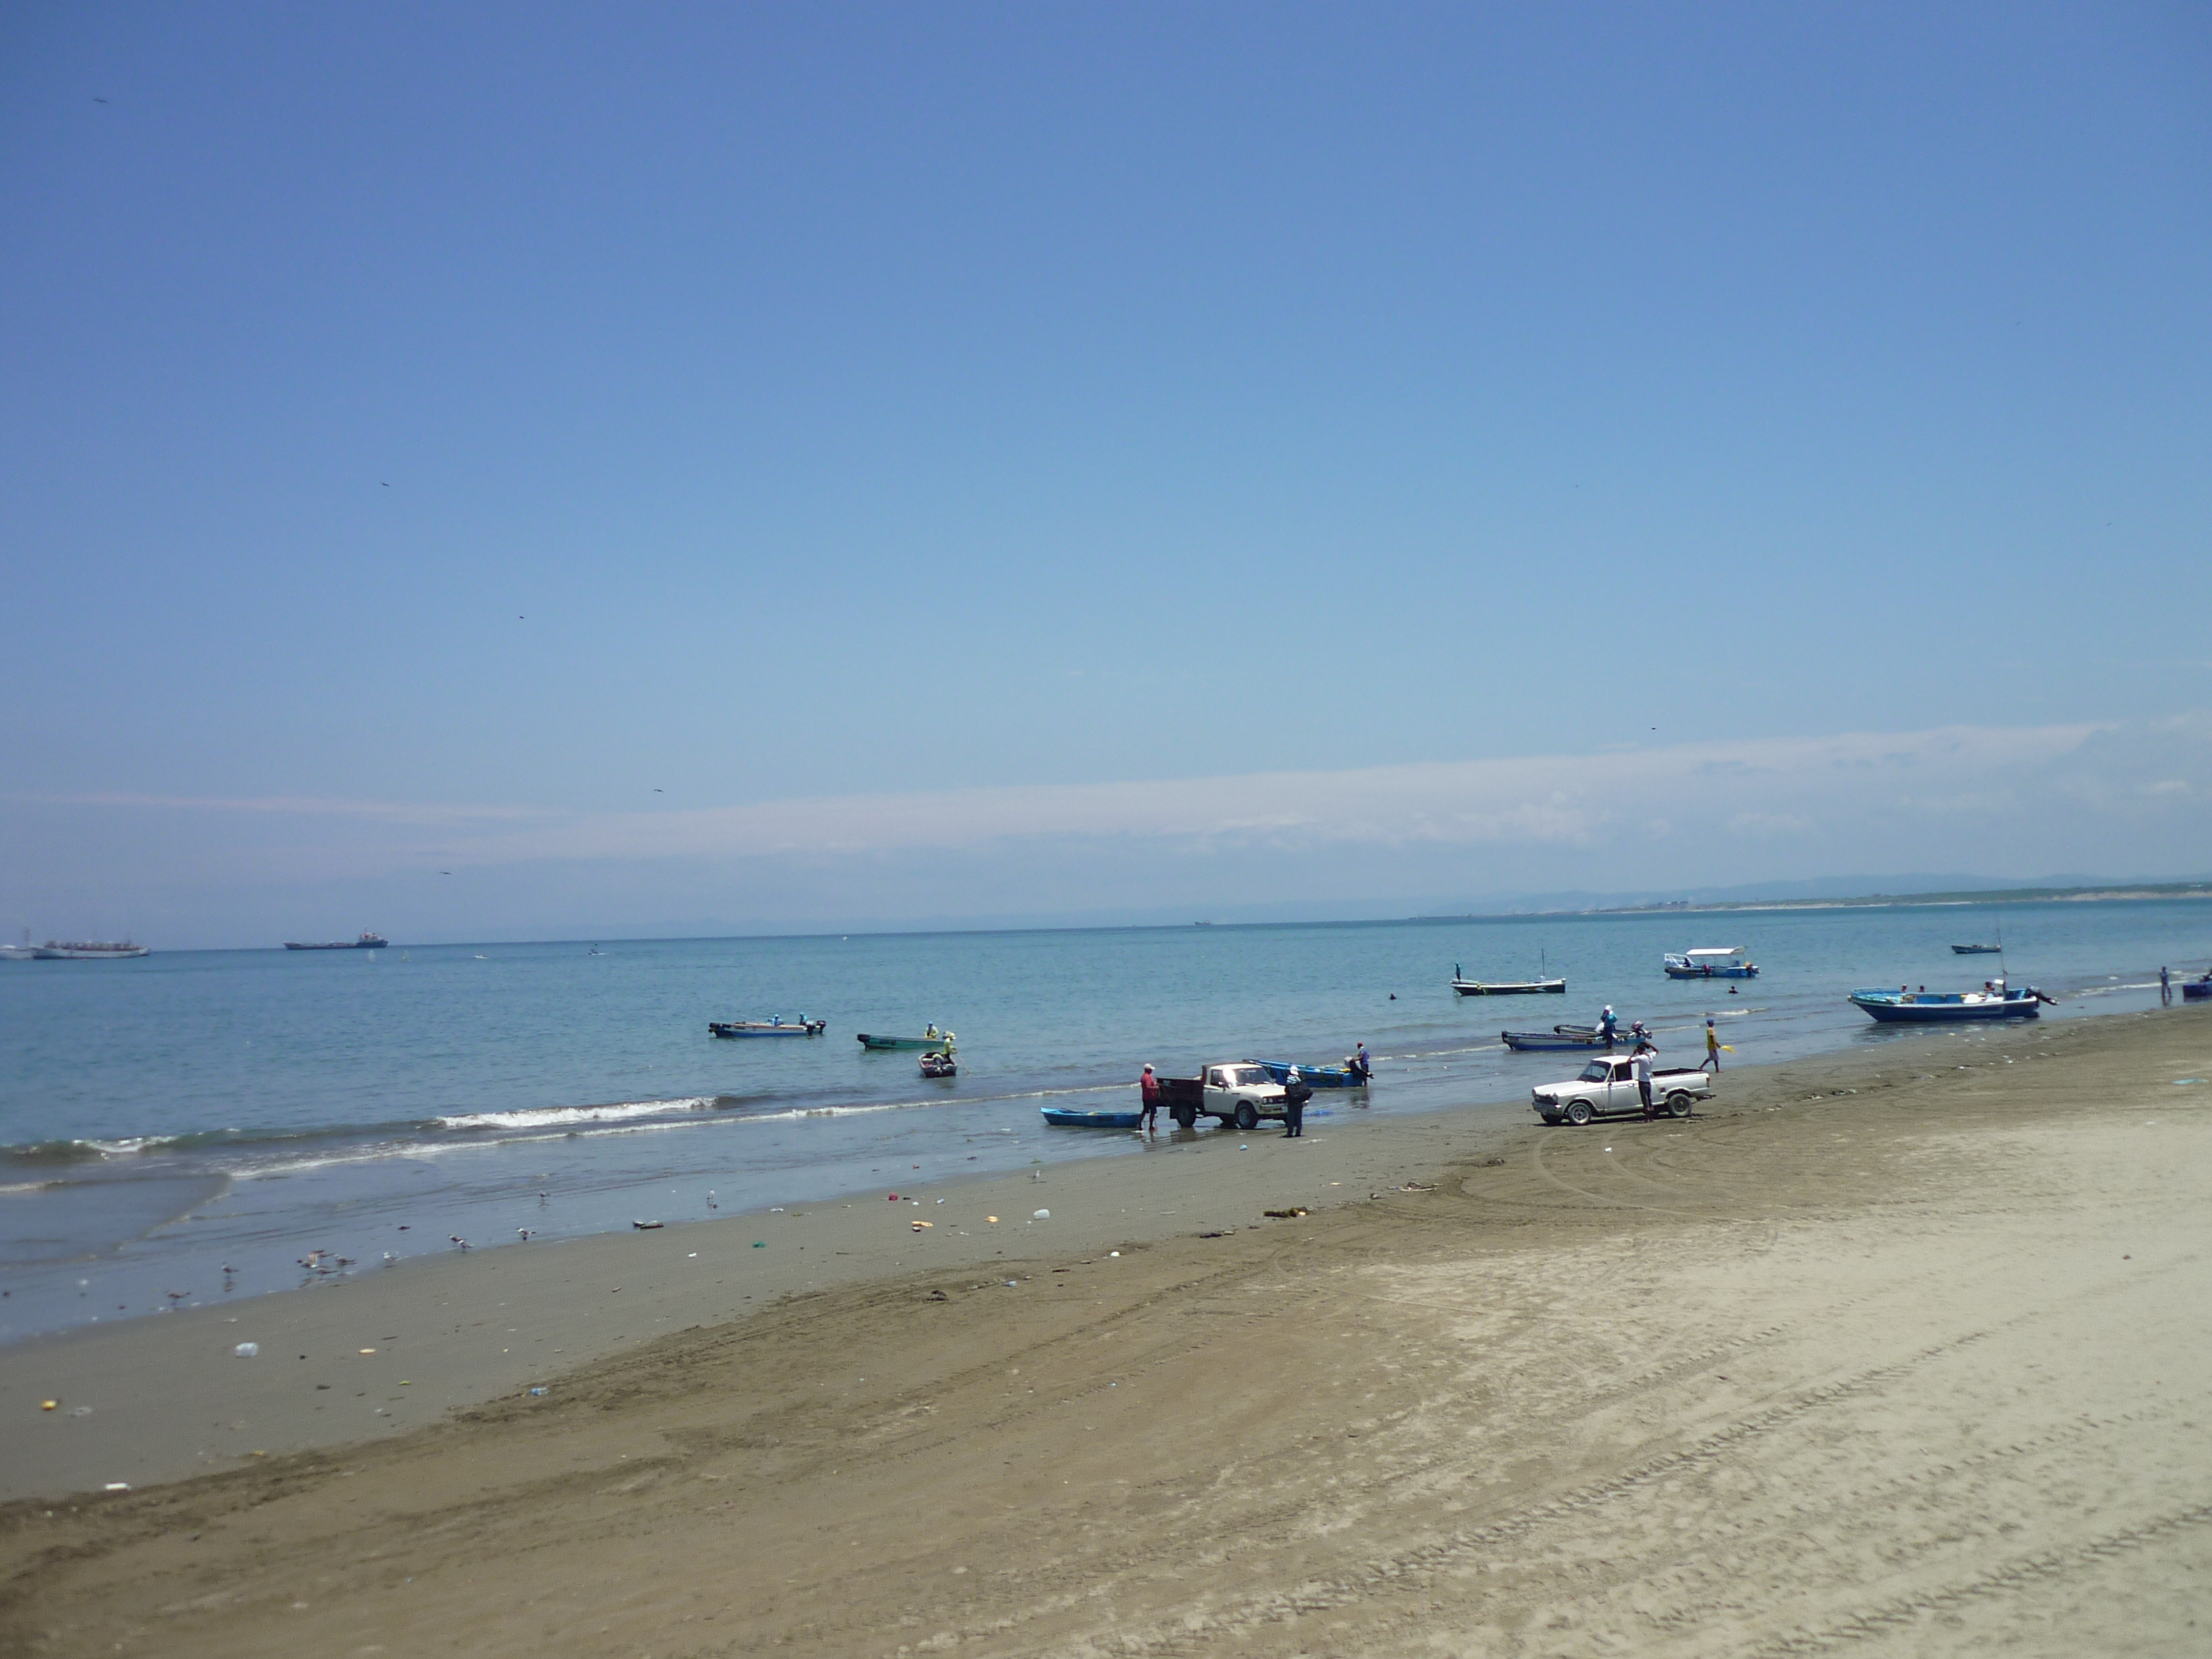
(548, 1117)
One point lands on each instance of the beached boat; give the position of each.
(940, 1063)
(1721, 961)
(1975, 949)
(1560, 1036)
(85, 950)
(768, 1028)
(1930, 1007)
(1314, 1076)
(930, 1040)
(2196, 990)
(366, 941)
(1070, 1117)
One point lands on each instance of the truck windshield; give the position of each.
(1597, 1071)
(1249, 1077)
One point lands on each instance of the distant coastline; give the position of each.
(2093, 894)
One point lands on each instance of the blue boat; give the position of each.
(1070, 1117)
(1725, 962)
(2196, 990)
(1560, 1036)
(1314, 1076)
(1930, 1007)
(778, 1027)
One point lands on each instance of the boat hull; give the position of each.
(1746, 972)
(2196, 990)
(1475, 987)
(885, 1044)
(1062, 1117)
(754, 1028)
(1535, 1042)
(88, 952)
(1927, 1010)
(1314, 1076)
(1975, 949)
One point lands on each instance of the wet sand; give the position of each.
(1902, 1351)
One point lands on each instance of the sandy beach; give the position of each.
(1895, 1352)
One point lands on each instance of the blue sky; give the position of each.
(422, 419)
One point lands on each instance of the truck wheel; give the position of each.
(1248, 1117)
(1579, 1112)
(1679, 1104)
(1185, 1116)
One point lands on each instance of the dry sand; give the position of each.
(1902, 1353)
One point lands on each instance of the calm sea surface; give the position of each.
(164, 1119)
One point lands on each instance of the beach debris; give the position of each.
(919, 1225)
(1041, 1215)
(992, 1219)
(939, 1296)
(389, 1258)
(1113, 1253)
(48, 1404)
(646, 1226)
(246, 1350)
(1285, 1215)
(80, 1411)
(368, 1350)
(536, 1392)
(118, 1485)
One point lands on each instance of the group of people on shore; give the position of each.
(1645, 1054)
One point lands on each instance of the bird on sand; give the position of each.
(522, 1233)
(455, 1238)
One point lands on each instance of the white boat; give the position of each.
(87, 950)
(22, 953)
(1721, 961)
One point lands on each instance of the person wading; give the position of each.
(1148, 1090)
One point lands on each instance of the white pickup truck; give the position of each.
(1232, 1091)
(1607, 1086)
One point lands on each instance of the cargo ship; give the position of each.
(366, 941)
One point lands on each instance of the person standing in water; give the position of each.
(1609, 1023)
(1148, 1090)
(2165, 988)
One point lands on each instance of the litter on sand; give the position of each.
(48, 1404)
(118, 1485)
(246, 1350)
(535, 1392)
(919, 1225)
(646, 1226)
(992, 1219)
(1285, 1215)
(1042, 1215)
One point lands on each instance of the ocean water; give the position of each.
(188, 1127)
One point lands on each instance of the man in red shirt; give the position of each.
(1148, 1086)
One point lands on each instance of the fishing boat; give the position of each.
(1560, 1036)
(768, 1028)
(86, 949)
(1719, 962)
(1522, 988)
(1315, 1077)
(933, 1038)
(2197, 990)
(1072, 1117)
(1540, 986)
(24, 952)
(940, 1063)
(1975, 949)
(1930, 1007)
(366, 941)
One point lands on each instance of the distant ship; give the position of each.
(366, 941)
(79, 950)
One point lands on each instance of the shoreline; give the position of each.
(1877, 1348)
(466, 1327)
